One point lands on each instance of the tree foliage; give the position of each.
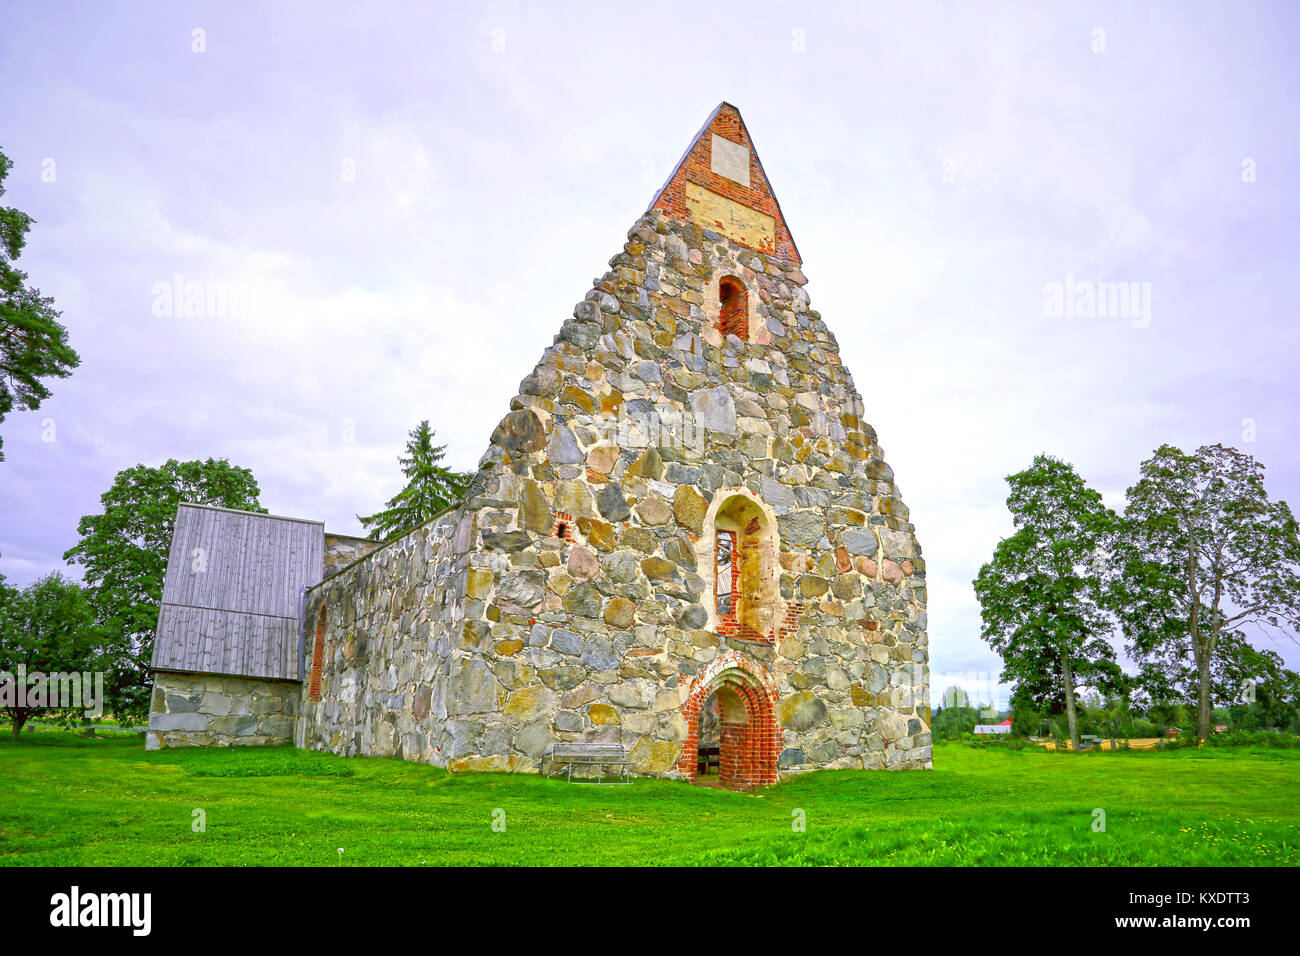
(1041, 594)
(124, 553)
(430, 488)
(46, 628)
(956, 696)
(33, 345)
(1276, 699)
(950, 723)
(1026, 715)
(1202, 555)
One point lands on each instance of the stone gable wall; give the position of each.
(699, 170)
(482, 638)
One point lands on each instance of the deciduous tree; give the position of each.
(46, 628)
(1203, 554)
(1041, 594)
(33, 345)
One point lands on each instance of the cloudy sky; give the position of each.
(404, 204)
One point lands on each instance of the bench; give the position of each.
(583, 754)
(710, 759)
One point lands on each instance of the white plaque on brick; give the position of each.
(730, 160)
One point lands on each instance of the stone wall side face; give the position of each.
(203, 710)
(480, 640)
(392, 630)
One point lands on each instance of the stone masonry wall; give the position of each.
(392, 623)
(202, 710)
(572, 595)
(342, 549)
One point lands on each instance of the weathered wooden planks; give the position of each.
(232, 590)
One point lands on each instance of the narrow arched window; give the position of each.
(746, 588)
(733, 308)
(726, 581)
(317, 658)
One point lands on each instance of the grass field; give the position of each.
(66, 800)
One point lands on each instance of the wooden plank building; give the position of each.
(228, 629)
(232, 595)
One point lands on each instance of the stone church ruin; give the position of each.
(683, 537)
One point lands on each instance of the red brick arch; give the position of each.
(750, 739)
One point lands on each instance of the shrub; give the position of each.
(1258, 738)
(999, 742)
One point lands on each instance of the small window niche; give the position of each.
(733, 308)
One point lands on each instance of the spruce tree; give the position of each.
(430, 488)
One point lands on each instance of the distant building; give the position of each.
(1002, 728)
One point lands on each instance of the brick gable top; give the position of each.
(720, 184)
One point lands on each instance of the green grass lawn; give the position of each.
(67, 800)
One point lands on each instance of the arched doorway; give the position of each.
(709, 742)
(731, 710)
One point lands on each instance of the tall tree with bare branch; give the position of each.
(1203, 555)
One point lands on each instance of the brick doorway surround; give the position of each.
(747, 723)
